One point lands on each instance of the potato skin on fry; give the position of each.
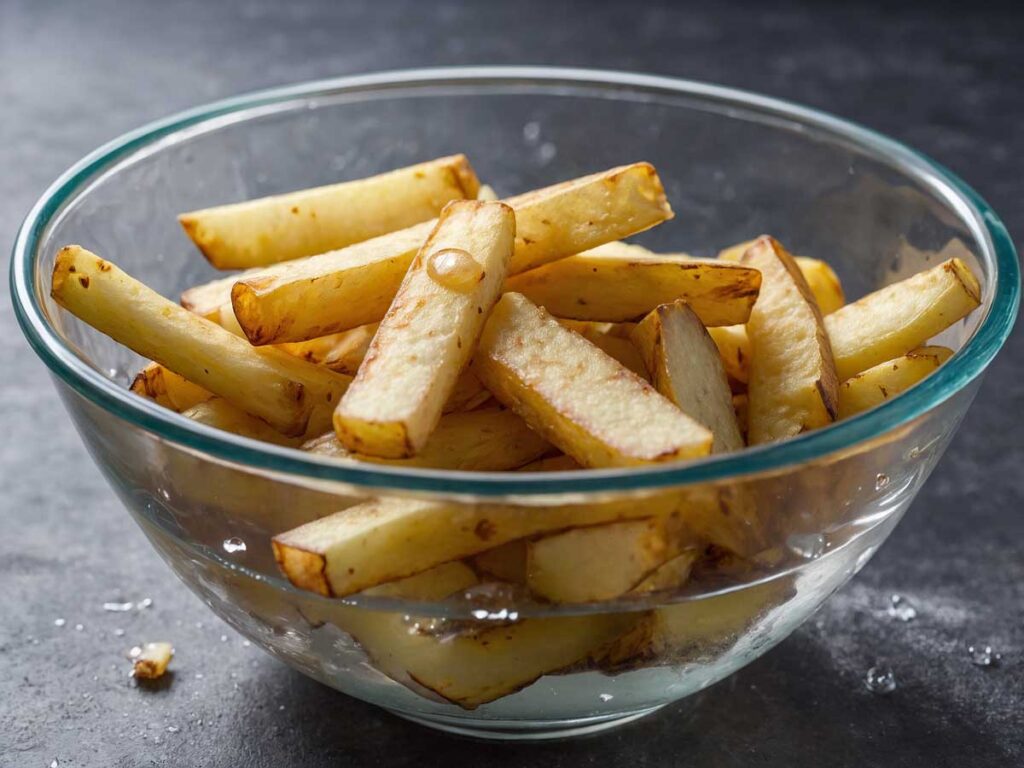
(793, 384)
(581, 400)
(886, 380)
(284, 227)
(429, 334)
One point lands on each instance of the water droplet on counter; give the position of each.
(223, 638)
(54, 764)
(79, 627)
(144, 603)
(115, 607)
(880, 680)
(901, 609)
(246, 643)
(983, 655)
(807, 545)
(199, 675)
(134, 652)
(172, 729)
(606, 697)
(531, 132)
(546, 152)
(881, 481)
(454, 268)
(233, 545)
(59, 622)
(118, 632)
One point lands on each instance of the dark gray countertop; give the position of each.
(74, 74)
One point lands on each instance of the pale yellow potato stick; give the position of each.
(428, 336)
(487, 440)
(684, 366)
(354, 286)
(605, 336)
(210, 299)
(310, 221)
(885, 380)
(793, 385)
(671, 574)
(289, 394)
(341, 352)
(561, 463)
(504, 563)
(168, 388)
(734, 349)
(218, 413)
(610, 284)
(900, 317)
(381, 540)
(580, 399)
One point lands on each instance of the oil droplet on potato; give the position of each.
(454, 268)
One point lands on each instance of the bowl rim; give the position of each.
(995, 246)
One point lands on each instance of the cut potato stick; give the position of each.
(740, 404)
(433, 584)
(671, 574)
(734, 349)
(218, 413)
(289, 394)
(168, 388)
(607, 284)
(505, 563)
(341, 352)
(900, 317)
(605, 336)
(580, 399)
(354, 286)
(600, 562)
(486, 192)
(283, 227)
(209, 299)
(386, 539)
(820, 277)
(684, 366)
(428, 336)
(885, 380)
(489, 440)
(561, 463)
(793, 385)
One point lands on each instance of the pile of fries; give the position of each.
(412, 319)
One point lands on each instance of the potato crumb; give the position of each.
(151, 660)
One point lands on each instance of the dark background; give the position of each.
(947, 80)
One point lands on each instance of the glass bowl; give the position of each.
(497, 665)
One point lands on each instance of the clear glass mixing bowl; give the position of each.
(734, 165)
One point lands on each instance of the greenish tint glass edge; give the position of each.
(966, 365)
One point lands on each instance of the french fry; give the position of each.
(429, 334)
(740, 404)
(168, 388)
(505, 563)
(488, 440)
(435, 583)
(820, 277)
(671, 574)
(885, 380)
(734, 349)
(382, 540)
(560, 463)
(218, 413)
(610, 284)
(289, 394)
(900, 317)
(355, 285)
(283, 227)
(605, 336)
(341, 352)
(581, 400)
(486, 192)
(600, 562)
(210, 299)
(685, 367)
(793, 385)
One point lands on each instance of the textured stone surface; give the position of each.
(73, 75)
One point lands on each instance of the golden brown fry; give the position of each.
(900, 317)
(354, 286)
(291, 395)
(151, 660)
(168, 388)
(561, 463)
(505, 563)
(612, 284)
(793, 385)
(488, 440)
(341, 352)
(685, 367)
(429, 334)
(607, 337)
(580, 399)
(218, 413)
(885, 380)
(283, 227)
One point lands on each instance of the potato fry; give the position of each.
(218, 413)
(560, 463)
(487, 193)
(900, 317)
(168, 388)
(608, 284)
(489, 440)
(885, 380)
(600, 562)
(434, 584)
(793, 385)
(740, 404)
(428, 336)
(821, 278)
(354, 286)
(283, 227)
(685, 367)
(341, 352)
(671, 574)
(386, 539)
(605, 336)
(210, 299)
(289, 394)
(734, 349)
(581, 400)
(504, 563)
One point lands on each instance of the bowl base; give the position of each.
(525, 730)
